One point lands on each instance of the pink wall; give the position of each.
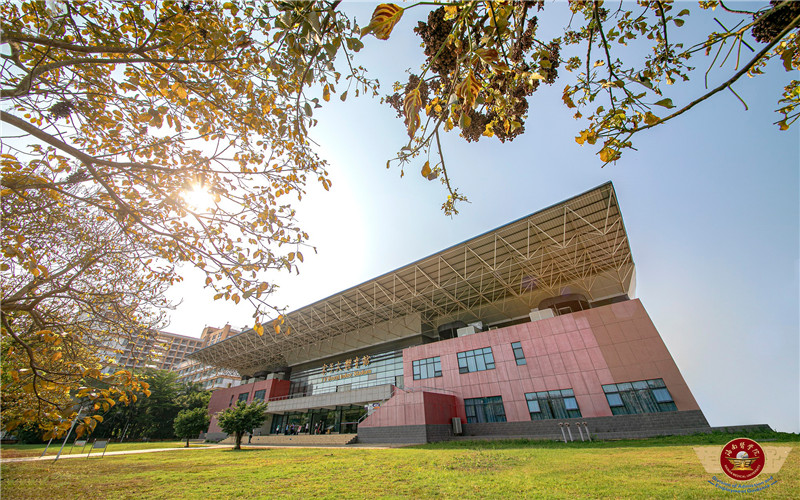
(221, 398)
(416, 408)
(580, 351)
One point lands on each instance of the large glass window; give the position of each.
(243, 396)
(259, 395)
(519, 355)
(643, 396)
(427, 368)
(476, 361)
(360, 371)
(553, 404)
(480, 410)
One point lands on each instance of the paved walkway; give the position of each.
(208, 447)
(108, 454)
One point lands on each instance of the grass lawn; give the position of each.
(658, 468)
(35, 450)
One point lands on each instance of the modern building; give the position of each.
(210, 377)
(155, 349)
(516, 332)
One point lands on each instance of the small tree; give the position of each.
(242, 418)
(190, 423)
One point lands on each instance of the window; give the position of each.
(259, 395)
(553, 404)
(518, 354)
(476, 361)
(480, 410)
(243, 396)
(427, 368)
(643, 396)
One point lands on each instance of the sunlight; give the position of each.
(198, 197)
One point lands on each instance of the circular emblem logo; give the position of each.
(742, 459)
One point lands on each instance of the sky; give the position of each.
(710, 200)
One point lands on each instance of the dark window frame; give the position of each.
(426, 368)
(639, 397)
(552, 404)
(519, 354)
(476, 360)
(485, 410)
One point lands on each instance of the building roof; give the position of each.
(576, 246)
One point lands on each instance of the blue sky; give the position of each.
(710, 201)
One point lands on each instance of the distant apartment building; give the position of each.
(210, 377)
(160, 350)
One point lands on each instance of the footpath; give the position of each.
(206, 447)
(108, 454)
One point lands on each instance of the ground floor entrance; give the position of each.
(341, 420)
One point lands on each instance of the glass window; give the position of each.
(480, 410)
(243, 396)
(642, 396)
(427, 368)
(475, 361)
(519, 355)
(259, 395)
(553, 404)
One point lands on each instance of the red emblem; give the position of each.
(742, 459)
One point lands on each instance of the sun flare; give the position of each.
(198, 197)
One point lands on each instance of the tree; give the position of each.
(484, 60)
(190, 423)
(154, 135)
(152, 416)
(242, 418)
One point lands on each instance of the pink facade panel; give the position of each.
(581, 351)
(222, 399)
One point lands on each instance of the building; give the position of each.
(210, 377)
(516, 332)
(161, 350)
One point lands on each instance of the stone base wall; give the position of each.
(615, 427)
(404, 434)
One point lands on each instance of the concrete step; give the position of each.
(298, 440)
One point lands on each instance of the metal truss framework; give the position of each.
(571, 245)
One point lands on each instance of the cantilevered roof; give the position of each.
(576, 246)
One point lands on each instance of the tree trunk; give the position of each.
(238, 441)
(187, 442)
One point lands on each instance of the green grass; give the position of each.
(510, 469)
(35, 450)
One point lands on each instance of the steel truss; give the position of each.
(576, 246)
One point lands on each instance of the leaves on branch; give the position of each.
(384, 19)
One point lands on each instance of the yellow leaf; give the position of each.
(426, 169)
(651, 119)
(99, 418)
(450, 11)
(55, 357)
(468, 90)
(326, 93)
(384, 19)
(411, 105)
(235, 298)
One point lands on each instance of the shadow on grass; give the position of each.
(690, 440)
